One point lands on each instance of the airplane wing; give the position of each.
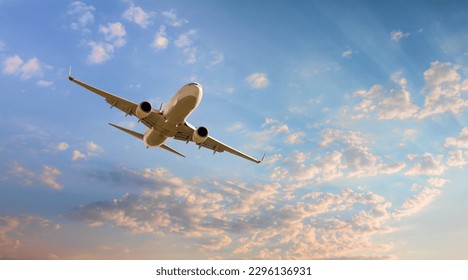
(128, 107)
(186, 131)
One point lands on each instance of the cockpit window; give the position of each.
(193, 84)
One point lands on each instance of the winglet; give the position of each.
(69, 75)
(259, 161)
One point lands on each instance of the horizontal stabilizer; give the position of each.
(131, 132)
(171, 150)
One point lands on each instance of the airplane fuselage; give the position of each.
(174, 114)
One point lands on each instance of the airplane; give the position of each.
(167, 122)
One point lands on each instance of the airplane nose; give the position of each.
(195, 89)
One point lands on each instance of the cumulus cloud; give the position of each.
(114, 33)
(185, 43)
(244, 219)
(427, 164)
(81, 14)
(172, 19)
(44, 83)
(457, 158)
(14, 65)
(398, 35)
(161, 40)
(295, 138)
(258, 80)
(461, 142)
(347, 53)
(47, 177)
(137, 15)
(62, 146)
(78, 155)
(418, 202)
(444, 89)
(443, 92)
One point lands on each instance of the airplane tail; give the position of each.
(140, 136)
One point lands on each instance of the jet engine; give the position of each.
(143, 110)
(200, 134)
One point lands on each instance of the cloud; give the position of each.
(437, 182)
(258, 80)
(185, 42)
(62, 146)
(398, 35)
(218, 57)
(457, 158)
(100, 52)
(78, 155)
(14, 65)
(2, 46)
(114, 33)
(81, 14)
(8, 245)
(443, 91)
(161, 40)
(460, 142)
(172, 19)
(92, 148)
(295, 138)
(347, 53)
(44, 83)
(417, 203)
(47, 177)
(244, 220)
(137, 15)
(426, 164)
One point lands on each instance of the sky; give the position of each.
(360, 107)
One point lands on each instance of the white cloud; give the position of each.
(14, 65)
(185, 42)
(49, 177)
(44, 83)
(100, 52)
(417, 203)
(218, 57)
(426, 164)
(62, 146)
(236, 127)
(295, 138)
(114, 33)
(437, 182)
(443, 90)
(81, 14)
(172, 19)
(137, 15)
(258, 80)
(398, 35)
(460, 142)
(2, 46)
(443, 93)
(78, 155)
(161, 40)
(457, 158)
(347, 53)
(245, 220)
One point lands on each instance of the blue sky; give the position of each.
(359, 105)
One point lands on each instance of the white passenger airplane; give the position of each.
(169, 121)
